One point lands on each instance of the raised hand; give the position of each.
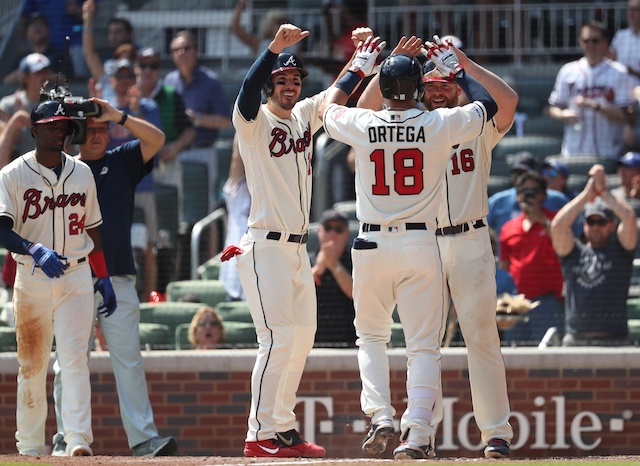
(366, 55)
(445, 59)
(411, 46)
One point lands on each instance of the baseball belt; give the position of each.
(300, 239)
(64, 260)
(367, 227)
(462, 228)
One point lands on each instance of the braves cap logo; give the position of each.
(60, 110)
(291, 61)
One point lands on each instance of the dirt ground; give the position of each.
(240, 461)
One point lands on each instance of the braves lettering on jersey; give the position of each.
(55, 210)
(399, 155)
(607, 83)
(277, 156)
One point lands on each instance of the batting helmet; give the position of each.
(48, 111)
(401, 78)
(285, 61)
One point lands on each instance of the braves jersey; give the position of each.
(609, 84)
(465, 197)
(401, 157)
(53, 210)
(625, 44)
(277, 157)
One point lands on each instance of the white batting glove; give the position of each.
(443, 57)
(365, 60)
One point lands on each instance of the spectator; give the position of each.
(119, 32)
(504, 280)
(590, 97)
(127, 98)
(331, 267)
(504, 205)
(36, 71)
(177, 127)
(629, 177)
(598, 272)
(38, 38)
(556, 174)
(527, 253)
(238, 202)
(206, 105)
(206, 330)
(625, 46)
(268, 28)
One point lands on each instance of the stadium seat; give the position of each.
(240, 334)
(224, 150)
(167, 208)
(234, 311)
(397, 335)
(543, 126)
(171, 314)
(633, 308)
(539, 146)
(580, 164)
(210, 270)
(155, 336)
(498, 183)
(576, 183)
(8, 339)
(634, 330)
(210, 292)
(346, 208)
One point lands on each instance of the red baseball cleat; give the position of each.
(291, 439)
(271, 448)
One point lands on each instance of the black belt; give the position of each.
(366, 227)
(463, 227)
(300, 239)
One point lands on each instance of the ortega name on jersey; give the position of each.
(396, 134)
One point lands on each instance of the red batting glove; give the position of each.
(229, 252)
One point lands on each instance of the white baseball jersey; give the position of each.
(464, 197)
(277, 156)
(401, 157)
(625, 43)
(608, 83)
(50, 210)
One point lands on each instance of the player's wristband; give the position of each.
(349, 82)
(123, 119)
(98, 264)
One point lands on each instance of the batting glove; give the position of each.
(229, 252)
(443, 57)
(104, 286)
(48, 260)
(365, 60)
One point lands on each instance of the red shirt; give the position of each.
(533, 262)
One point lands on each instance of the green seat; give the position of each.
(539, 146)
(397, 335)
(224, 152)
(497, 184)
(167, 208)
(195, 191)
(171, 314)
(8, 339)
(210, 292)
(182, 337)
(346, 208)
(633, 308)
(634, 329)
(155, 336)
(580, 164)
(234, 311)
(543, 126)
(240, 334)
(210, 270)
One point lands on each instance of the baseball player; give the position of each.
(275, 142)
(49, 210)
(401, 154)
(463, 238)
(116, 173)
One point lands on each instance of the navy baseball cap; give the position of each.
(333, 215)
(598, 208)
(523, 161)
(630, 159)
(557, 166)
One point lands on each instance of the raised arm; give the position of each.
(241, 33)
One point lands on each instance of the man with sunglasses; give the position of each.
(331, 267)
(590, 97)
(117, 171)
(597, 272)
(556, 174)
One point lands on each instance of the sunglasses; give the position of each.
(590, 41)
(209, 324)
(596, 221)
(152, 66)
(336, 228)
(186, 48)
(550, 172)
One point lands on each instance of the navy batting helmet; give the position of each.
(48, 111)
(285, 61)
(401, 78)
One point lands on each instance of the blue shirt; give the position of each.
(116, 175)
(204, 94)
(505, 283)
(119, 134)
(61, 23)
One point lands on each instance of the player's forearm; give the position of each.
(477, 92)
(151, 138)
(213, 121)
(371, 97)
(12, 241)
(249, 97)
(343, 279)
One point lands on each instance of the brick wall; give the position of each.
(566, 402)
